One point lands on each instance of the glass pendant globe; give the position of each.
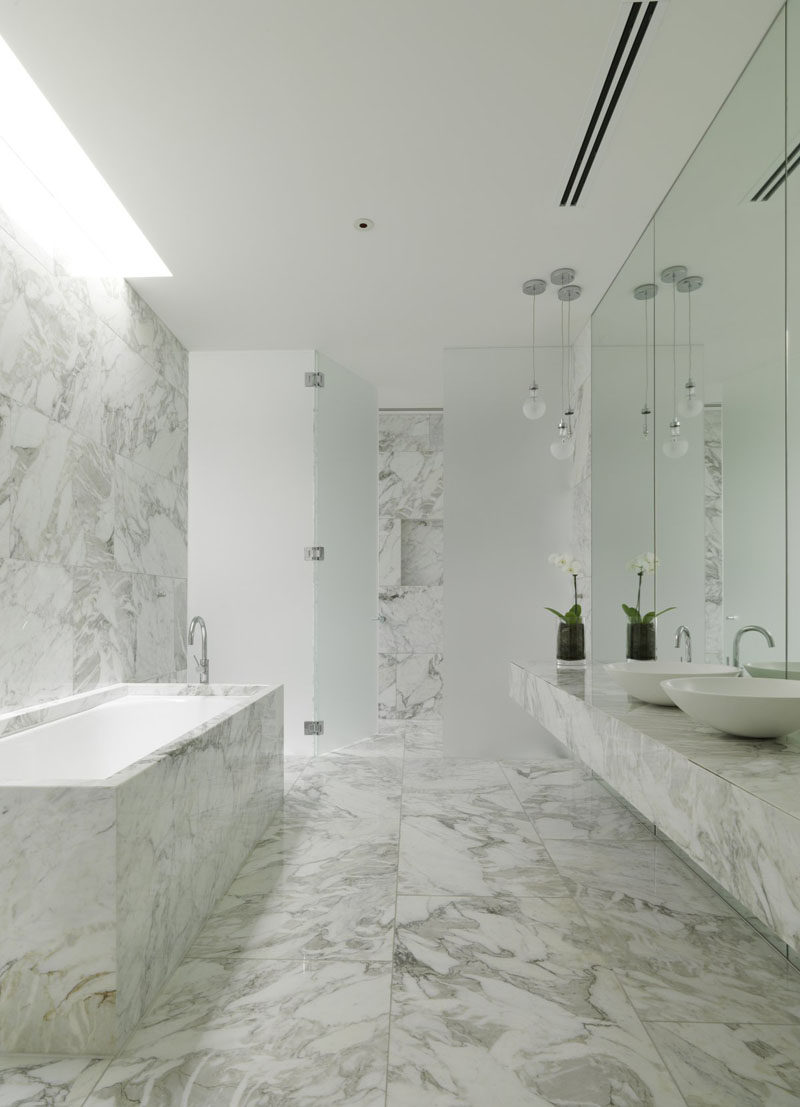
(690, 403)
(563, 448)
(534, 407)
(675, 447)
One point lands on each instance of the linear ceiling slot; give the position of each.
(628, 47)
(777, 177)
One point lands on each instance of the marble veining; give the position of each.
(730, 804)
(713, 559)
(93, 462)
(313, 981)
(411, 564)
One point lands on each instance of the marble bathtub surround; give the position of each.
(410, 564)
(316, 981)
(730, 804)
(104, 883)
(93, 461)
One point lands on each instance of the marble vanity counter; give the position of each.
(731, 804)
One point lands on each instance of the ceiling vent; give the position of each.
(628, 48)
(777, 178)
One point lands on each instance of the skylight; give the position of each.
(51, 189)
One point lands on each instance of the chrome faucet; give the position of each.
(202, 660)
(738, 638)
(682, 634)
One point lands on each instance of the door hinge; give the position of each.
(315, 553)
(315, 380)
(314, 727)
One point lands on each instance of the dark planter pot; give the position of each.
(570, 648)
(641, 642)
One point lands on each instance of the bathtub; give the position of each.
(124, 816)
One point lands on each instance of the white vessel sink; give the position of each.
(753, 707)
(775, 669)
(643, 679)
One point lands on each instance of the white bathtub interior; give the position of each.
(97, 743)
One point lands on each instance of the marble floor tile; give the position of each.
(424, 740)
(453, 775)
(483, 1036)
(679, 966)
(293, 767)
(339, 787)
(535, 781)
(27, 1080)
(339, 856)
(724, 1065)
(313, 926)
(644, 870)
(584, 810)
(471, 854)
(247, 1032)
(380, 745)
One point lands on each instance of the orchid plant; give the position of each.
(567, 564)
(644, 563)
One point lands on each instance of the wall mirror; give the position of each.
(714, 261)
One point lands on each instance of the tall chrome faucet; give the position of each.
(737, 640)
(682, 634)
(202, 660)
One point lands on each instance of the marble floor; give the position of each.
(430, 932)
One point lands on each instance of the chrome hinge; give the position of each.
(315, 380)
(313, 727)
(315, 553)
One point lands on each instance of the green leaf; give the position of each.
(632, 613)
(557, 614)
(651, 615)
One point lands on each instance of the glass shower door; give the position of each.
(345, 581)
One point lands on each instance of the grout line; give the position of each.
(394, 928)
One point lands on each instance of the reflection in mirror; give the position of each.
(707, 489)
(623, 442)
(792, 191)
(720, 510)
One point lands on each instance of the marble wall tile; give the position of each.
(36, 645)
(387, 685)
(582, 458)
(419, 686)
(411, 484)
(180, 623)
(713, 553)
(152, 602)
(437, 432)
(413, 620)
(421, 552)
(61, 489)
(389, 552)
(104, 624)
(93, 461)
(150, 530)
(401, 430)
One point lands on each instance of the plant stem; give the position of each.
(639, 594)
(575, 584)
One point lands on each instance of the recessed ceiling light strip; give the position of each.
(607, 101)
(778, 176)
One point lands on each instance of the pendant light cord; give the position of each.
(533, 340)
(689, 298)
(563, 408)
(570, 372)
(646, 355)
(674, 355)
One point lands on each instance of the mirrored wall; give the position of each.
(696, 389)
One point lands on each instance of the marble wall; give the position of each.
(712, 428)
(93, 447)
(410, 564)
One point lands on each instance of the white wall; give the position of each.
(251, 513)
(507, 506)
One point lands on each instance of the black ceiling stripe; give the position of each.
(612, 70)
(778, 176)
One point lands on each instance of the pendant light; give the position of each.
(534, 406)
(674, 446)
(564, 446)
(690, 403)
(645, 293)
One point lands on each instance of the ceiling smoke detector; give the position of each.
(363, 224)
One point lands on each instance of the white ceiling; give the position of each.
(246, 136)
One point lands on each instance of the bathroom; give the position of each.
(448, 905)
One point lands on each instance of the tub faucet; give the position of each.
(682, 634)
(202, 660)
(737, 643)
